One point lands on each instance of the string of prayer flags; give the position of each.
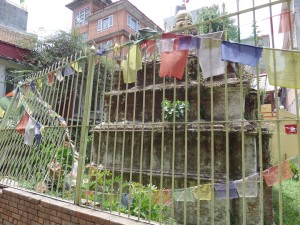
(283, 67)
(132, 64)
(209, 55)
(220, 190)
(58, 75)
(271, 175)
(181, 195)
(173, 63)
(22, 123)
(162, 196)
(241, 53)
(251, 188)
(29, 131)
(68, 71)
(165, 45)
(50, 80)
(202, 192)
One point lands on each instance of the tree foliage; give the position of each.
(55, 47)
(207, 13)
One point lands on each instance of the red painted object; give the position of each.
(291, 129)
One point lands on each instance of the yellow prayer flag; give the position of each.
(39, 83)
(132, 64)
(283, 68)
(2, 112)
(76, 67)
(202, 192)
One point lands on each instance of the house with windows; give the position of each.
(105, 23)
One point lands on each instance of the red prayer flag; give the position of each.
(149, 45)
(173, 63)
(51, 78)
(22, 123)
(291, 129)
(271, 175)
(285, 22)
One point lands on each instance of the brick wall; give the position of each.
(22, 208)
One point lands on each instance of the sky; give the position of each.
(45, 17)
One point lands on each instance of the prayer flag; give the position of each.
(162, 196)
(251, 189)
(68, 71)
(271, 175)
(32, 85)
(173, 63)
(181, 195)
(195, 44)
(202, 192)
(220, 191)
(126, 200)
(291, 129)
(215, 35)
(285, 22)
(37, 132)
(76, 66)
(149, 45)
(29, 132)
(23, 123)
(2, 112)
(100, 51)
(165, 45)
(50, 80)
(283, 67)
(58, 75)
(39, 83)
(132, 64)
(240, 53)
(184, 43)
(209, 57)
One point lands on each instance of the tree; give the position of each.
(55, 47)
(207, 13)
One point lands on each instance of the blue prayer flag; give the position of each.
(68, 71)
(220, 190)
(241, 53)
(184, 43)
(32, 85)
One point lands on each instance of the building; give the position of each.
(15, 43)
(13, 16)
(105, 22)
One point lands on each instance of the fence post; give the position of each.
(85, 125)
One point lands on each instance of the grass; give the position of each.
(290, 202)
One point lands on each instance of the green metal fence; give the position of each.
(159, 149)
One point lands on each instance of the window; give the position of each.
(105, 23)
(85, 36)
(106, 45)
(81, 17)
(133, 23)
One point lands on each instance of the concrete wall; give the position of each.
(22, 208)
(13, 16)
